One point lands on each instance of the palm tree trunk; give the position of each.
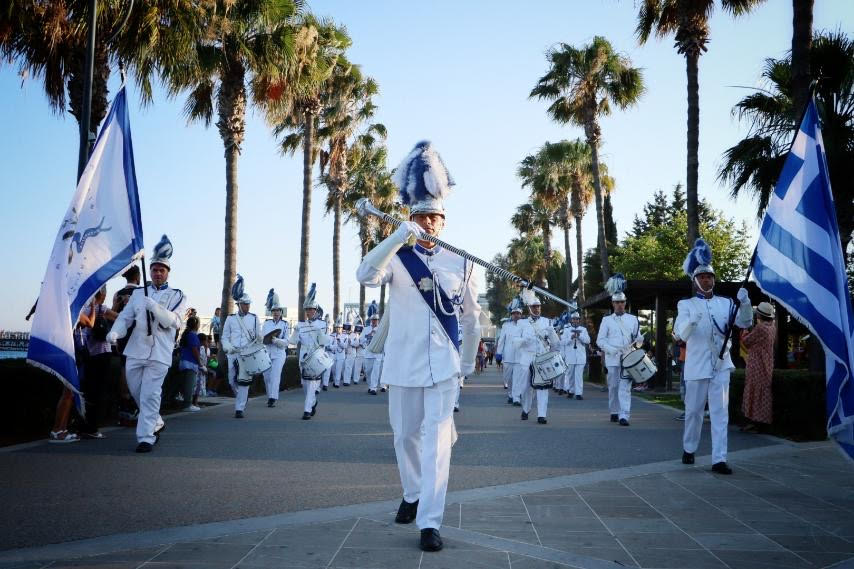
(308, 147)
(230, 264)
(691, 64)
(382, 300)
(801, 42)
(363, 240)
(568, 256)
(592, 130)
(579, 255)
(336, 257)
(547, 252)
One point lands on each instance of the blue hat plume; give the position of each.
(700, 257)
(237, 289)
(311, 298)
(423, 180)
(162, 252)
(617, 283)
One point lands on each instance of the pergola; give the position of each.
(662, 296)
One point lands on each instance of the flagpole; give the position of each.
(145, 291)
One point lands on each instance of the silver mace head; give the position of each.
(366, 208)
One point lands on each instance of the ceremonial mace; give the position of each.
(364, 207)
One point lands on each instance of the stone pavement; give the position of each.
(787, 505)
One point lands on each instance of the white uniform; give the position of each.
(359, 360)
(537, 337)
(511, 334)
(701, 323)
(337, 347)
(234, 338)
(149, 357)
(278, 354)
(370, 357)
(575, 340)
(616, 335)
(309, 336)
(349, 355)
(423, 369)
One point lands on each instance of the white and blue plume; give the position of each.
(701, 254)
(373, 308)
(163, 249)
(269, 302)
(422, 175)
(237, 288)
(617, 283)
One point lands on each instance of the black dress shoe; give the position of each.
(271, 402)
(238, 414)
(382, 389)
(306, 416)
(456, 409)
(579, 397)
(524, 416)
(569, 394)
(721, 468)
(542, 420)
(144, 447)
(335, 386)
(314, 409)
(510, 401)
(614, 418)
(624, 422)
(324, 388)
(406, 512)
(430, 540)
(687, 457)
(517, 403)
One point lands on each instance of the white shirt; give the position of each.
(505, 345)
(234, 337)
(159, 345)
(365, 340)
(703, 341)
(616, 333)
(537, 337)
(575, 348)
(270, 325)
(310, 336)
(418, 351)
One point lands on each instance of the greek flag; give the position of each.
(799, 263)
(99, 237)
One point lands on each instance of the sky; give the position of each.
(456, 73)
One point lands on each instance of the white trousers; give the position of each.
(507, 374)
(697, 391)
(338, 368)
(309, 388)
(619, 393)
(145, 383)
(357, 368)
(241, 392)
(273, 376)
(422, 419)
(376, 372)
(528, 398)
(349, 362)
(520, 378)
(324, 379)
(369, 368)
(574, 379)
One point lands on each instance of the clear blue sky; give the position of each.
(457, 73)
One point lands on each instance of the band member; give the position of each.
(702, 322)
(618, 334)
(337, 347)
(276, 332)
(575, 341)
(537, 337)
(155, 315)
(431, 292)
(349, 351)
(310, 334)
(367, 336)
(241, 329)
(507, 353)
(356, 342)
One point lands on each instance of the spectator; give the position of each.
(216, 326)
(481, 357)
(490, 352)
(756, 403)
(96, 319)
(202, 377)
(59, 433)
(190, 363)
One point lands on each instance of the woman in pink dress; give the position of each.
(756, 404)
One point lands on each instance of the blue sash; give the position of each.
(418, 271)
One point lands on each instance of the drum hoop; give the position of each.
(645, 356)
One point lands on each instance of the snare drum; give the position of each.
(253, 359)
(316, 363)
(637, 366)
(547, 367)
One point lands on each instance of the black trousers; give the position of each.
(95, 384)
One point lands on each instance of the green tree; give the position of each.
(688, 21)
(582, 84)
(499, 291)
(754, 163)
(532, 220)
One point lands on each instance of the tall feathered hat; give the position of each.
(373, 310)
(162, 253)
(616, 287)
(311, 298)
(348, 320)
(515, 305)
(423, 180)
(529, 298)
(699, 259)
(272, 302)
(319, 314)
(238, 294)
(339, 321)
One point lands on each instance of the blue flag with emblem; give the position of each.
(799, 263)
(99, 237)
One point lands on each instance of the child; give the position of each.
(202, 377)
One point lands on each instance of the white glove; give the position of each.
(112, 337)
(279, 343)
(409, 232)
(227, 347)
(151, 304)
(742, 295)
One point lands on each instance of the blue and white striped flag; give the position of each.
(799, 263)
(100, 236)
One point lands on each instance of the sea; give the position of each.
(10, 355)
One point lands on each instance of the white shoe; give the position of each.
(61, 437)
(194, 408)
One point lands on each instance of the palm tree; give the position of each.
(579, 162)
(297, 111)
(801, 42)
(582, 84)
(688, 20)
(534, 220)
(755, 163)
(537, 174)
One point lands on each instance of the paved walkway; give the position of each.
(787, 505)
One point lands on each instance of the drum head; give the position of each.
(633, 358)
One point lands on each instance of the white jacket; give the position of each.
(616, 334)
(701, 323)
(575, 349)
(310, 336)
(234, 338)
(418, 351)
(277, 349)
(506, 345)
(367, 335)
(537, 337)
(167, 320)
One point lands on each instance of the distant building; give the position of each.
(487, 328)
